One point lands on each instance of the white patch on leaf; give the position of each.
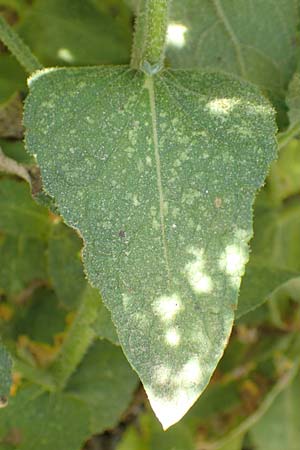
(176, 34)
(173, 337)
(65, 55)
(191, 372)
(168, 307)
(171, 410)
(233, 261)
(199, 281)
(222, 105)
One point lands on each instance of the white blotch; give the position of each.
(168, 307)
(155, 224)
(125, 300)
(200, 282)
(171, 410)
(233, 260)
(140, 166)
(176, 34)
(222, 105)
(65, 55)
(148, 161)
(172, 337)
(135, 199)
(191, 372)
(162, 374)
(90, 120)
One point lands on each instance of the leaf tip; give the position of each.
(169, 411)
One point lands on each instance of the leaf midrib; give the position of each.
(149, 85)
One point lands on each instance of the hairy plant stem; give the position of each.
(78, 339)
(17, 47)
(150, 36)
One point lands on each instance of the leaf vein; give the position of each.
(150, 86)
(237, 47)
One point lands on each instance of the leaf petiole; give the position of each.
(150, 36)
(18, 48)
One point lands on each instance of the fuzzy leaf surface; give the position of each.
(5, 374)
(159, 176)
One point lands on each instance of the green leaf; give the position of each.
(274, 259)
(5, 375)
(235, 444)
(74, 32)
(279, 428)
(133, 4)
(19, 213)
(103, 326)
(65, 265)
(43, 308)
(104, 382)
(259, 283)
(12, 77)
(284, 177)
(68, 279)
(249, 378)
(147, 435)
(232, 35)
(16, 151)
(162, 195)
(293, 98)
(37, 419)
(22, 260)
(293, 102)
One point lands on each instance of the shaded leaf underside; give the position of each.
(159, 176)
(236, 36)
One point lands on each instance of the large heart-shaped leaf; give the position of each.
(159, 175)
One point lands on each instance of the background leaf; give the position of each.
(79, 33)
(236, 36)
(280, 427)
(148, 435)
(22, 260)
(41, 420)
(275, 251)
(19, 213)
(105, 382)
(12, 77)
